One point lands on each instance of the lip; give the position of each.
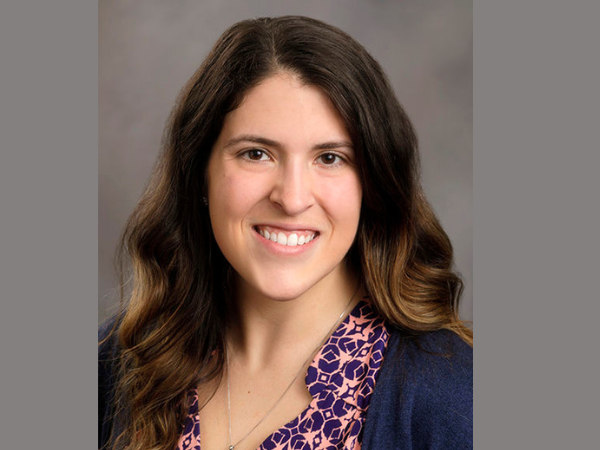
(285, 250)
(287, 227)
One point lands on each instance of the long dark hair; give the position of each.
(174, 319)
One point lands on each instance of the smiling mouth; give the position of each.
(286, 237)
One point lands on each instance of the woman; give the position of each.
(292, 288)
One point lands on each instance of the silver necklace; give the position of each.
(232, 446)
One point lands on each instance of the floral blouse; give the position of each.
(341, 379)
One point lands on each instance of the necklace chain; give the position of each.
(232, 446)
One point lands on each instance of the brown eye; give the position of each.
(255, 155)
(329, 158)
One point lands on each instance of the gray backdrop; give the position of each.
(147, 51)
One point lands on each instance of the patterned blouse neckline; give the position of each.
(340, 378)
(343, 360)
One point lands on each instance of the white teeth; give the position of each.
(282, 239)
(291, 241)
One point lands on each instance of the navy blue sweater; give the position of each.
(423, 398)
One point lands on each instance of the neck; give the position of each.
(267, 331)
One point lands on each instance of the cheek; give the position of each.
(232, 194)
(228, 207)
(344, 199)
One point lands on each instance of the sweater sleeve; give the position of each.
(423, 398)
(107, 357)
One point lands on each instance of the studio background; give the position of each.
(148, 50)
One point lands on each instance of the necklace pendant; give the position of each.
(231, 447)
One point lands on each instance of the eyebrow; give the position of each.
(271, 143)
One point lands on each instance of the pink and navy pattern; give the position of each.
(341, 379)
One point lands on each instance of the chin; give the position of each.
(285, 284)
(284, 292)
(283, 289)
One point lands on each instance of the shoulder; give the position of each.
(424, 394)
(107, 343)
(108, 356)
(439, 361)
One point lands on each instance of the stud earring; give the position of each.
(205, 201)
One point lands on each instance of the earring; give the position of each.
(205, 201)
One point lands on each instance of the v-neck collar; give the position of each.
(349, 356)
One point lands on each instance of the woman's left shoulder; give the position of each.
(436, 368)
(423, 397)
(441, 375)
(439, 358)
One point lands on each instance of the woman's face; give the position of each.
(284, 193)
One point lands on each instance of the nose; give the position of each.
(292, 191)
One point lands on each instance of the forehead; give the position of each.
(284, 108)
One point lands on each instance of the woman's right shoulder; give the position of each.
(107, 336)
(108, 356)
(108, 352)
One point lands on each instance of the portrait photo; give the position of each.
(285, 225)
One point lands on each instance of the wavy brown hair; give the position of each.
(175, 317)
